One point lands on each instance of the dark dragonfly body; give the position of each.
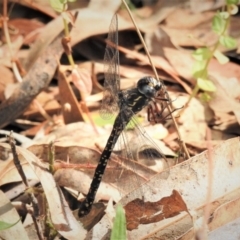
(130, 102)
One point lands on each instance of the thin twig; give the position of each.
(51, 156)
(141, 39)
(31, 196)
(8, 40)
(83, 104)
(43, 112)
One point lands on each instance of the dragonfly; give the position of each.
(126, 103)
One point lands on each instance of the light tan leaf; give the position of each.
(62, 218)
(81, 78)
(191, 180)
(9, 214)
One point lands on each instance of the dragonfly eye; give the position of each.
(148, 86)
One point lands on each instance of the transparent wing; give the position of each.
(141, 159)
(111, 72)
(146, 151)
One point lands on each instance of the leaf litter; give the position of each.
(175, 205)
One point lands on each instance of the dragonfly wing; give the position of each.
(136, 172)
(111, 72)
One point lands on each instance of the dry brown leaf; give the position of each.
(82, 134)
(70, 134)
(78, 158)
(221, 215)
(81, 78)
(140, 212)
(184, 19)
(97, 12)
(27, 28)
(206, 5)
(228, 70)
(196, 25)
(4, 82)
(228, 224)
(226, 97)
(129, 74)
(33, 83)
(159, 63)
(70, 107)
(192, 123)
(41, 5)
(160, 11)
(48, 34)
(61, 216)
(9, 173)
(48, 102)
(5, 54)
(182, 63)
(191, 180)
(38, 131)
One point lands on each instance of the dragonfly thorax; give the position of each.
(149, 86)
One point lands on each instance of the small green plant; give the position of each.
(119, 226)
(5, 225)
(60, 5)
(79, 79)
(203, 55)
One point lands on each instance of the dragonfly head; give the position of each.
(149, 86)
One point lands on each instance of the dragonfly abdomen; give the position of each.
(118, 127)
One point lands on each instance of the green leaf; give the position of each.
(98, 119)
(224, 15)
(4, 225)
(119, 225)
(218, 23)
(198, 69)
(201, 54)
(228, 42)
(232, 2)
(57, 5)
(206, 85)
(222, 59)
(205, 97)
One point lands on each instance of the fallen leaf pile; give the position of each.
(51, 112)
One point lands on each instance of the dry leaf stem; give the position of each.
(68, 52)
(31, 196)
(8, 40)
